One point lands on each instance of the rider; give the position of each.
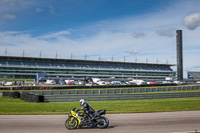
(87, 108)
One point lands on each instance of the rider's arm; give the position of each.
(84, 107)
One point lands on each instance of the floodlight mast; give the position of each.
(179, 55)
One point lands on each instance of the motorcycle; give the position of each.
(77, 119)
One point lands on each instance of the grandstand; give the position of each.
(193, 75)
(32, 67)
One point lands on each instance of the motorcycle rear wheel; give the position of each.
(103, 122)
(71, 123)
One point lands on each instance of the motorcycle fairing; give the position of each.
(99, 112)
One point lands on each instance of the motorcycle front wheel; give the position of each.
(71, 123)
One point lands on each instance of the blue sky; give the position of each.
(134, 30)
(53, 15)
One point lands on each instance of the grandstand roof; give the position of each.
(18, 58)
(195, 75)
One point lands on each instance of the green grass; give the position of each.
(6, 79)
(17, 106)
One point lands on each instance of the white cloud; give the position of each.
(55, 35)
(197, 66)
(166, 32)
(10, 3)
(38, 10)
(192, 21)
(137, 35)
(8, 16)
(132, 51)
(51, 9)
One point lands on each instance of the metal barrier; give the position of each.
(31, 97)
(113, 97)
(117, 94)
(116, 91)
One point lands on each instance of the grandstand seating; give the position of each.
(29, 67)
(195, 75)
(79, 65)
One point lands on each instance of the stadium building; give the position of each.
(38, 68)
(193, 75)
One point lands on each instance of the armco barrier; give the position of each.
(116, 94)
(114, 97)
(77, 87)
(30, 97)
(104, 95)
(12, 94)
(116, 91)
(6, 94)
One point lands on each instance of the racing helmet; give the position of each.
(82, 101)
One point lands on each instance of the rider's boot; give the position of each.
(82, 122)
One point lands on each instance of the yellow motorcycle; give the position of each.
(77, 119)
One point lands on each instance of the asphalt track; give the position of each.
(165, 122)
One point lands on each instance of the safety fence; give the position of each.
(114, 97)
(105, 94)
(115, 91)
(55, 87)
(117, 94)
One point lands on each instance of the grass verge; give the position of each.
(10, 80)
(17, 106)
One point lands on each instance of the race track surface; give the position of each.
(166, 122)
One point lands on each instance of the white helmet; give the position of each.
(82, 101)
